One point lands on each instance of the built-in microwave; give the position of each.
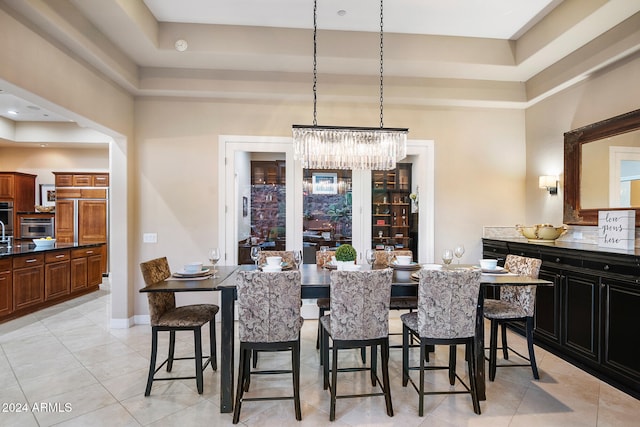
(36, 228)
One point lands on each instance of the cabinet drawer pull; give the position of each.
(31, 260)
(606, 267)
(89, 252)
(59, 256)
(557, 259)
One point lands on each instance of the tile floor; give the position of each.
(63, 366)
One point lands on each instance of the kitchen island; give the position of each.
(589, 317)
(32, 278)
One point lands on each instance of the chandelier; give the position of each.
(347, 147)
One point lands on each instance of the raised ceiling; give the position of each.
(478, 53)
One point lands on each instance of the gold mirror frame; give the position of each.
(573, 140)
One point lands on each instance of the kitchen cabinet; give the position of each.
(82, 209)
(57, 274)
(19, 189)
(28, 281)
(392, 222)
(6, 287)
(588, 317)
(80, 179)
(86, 268)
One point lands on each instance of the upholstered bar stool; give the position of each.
(268, 319)
(323, 303)
(446, 315)
(516, 303)
(165, 316)
(359, 318)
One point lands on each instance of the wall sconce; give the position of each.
(549, 183)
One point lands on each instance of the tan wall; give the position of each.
(479, 156)
(606, 94)
(39, 71)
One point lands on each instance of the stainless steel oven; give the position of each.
(6, 216)
(35, 228)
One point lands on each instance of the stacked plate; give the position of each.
(411, 266)
(183, 273)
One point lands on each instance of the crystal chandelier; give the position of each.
(346, 147)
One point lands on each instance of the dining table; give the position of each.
(316, 284)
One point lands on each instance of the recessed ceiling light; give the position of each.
(342, 12)
(13, 113)
(33, 107)
(43, 145)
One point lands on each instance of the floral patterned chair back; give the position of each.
(360, 304)
(382, 257)
(447, 303)
(324, 257)
(268, 306)
(287, 256)
(523, 297)
(154, 271)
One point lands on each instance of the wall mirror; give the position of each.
(602, 169)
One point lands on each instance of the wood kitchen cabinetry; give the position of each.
(82, 209)
(588, 317)
(20, 189)
(39, 278)
(57, 274)
(28, 280)
(86, 269)
(6, 287)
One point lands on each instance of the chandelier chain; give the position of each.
(315, 63)
(381, 65)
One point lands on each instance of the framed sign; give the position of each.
(324, 183)
(617, 229)
(47, 194)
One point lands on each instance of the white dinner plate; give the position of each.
(497, 270)
(183, 273)
(411, 266)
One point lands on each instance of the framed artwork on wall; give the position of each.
(47, 194)
(324, 183)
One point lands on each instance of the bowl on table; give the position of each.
(274, 261)
(44, 243)
(403, 259)
(193, 267)
(489, 264)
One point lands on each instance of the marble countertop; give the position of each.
(573, 245)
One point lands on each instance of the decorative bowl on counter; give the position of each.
(542, 232)
(44, 243)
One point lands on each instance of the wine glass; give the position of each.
(447, 256)
(255, 254)
(370, 256)
(297, 258)
(458, 252)
(214, 257)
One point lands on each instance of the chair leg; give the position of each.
(421, 386)
(325, 358)
(532, 355)
(334, 382)
(295, 368)
(212, 344)
(374, 363)
(240, 388)
(385, 377)
(247, 369)
(363, 354)
(405, 355)
(197, 339)
(152, 362)
(493, 349)
(255, 358)
(452, 364)
(505, 345)
(469, 349)
(172, 346)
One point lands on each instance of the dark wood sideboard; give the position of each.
(589, 317)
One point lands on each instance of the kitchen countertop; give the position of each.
(23, 248)
(572, 245)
